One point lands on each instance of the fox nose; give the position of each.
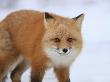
(65, 50)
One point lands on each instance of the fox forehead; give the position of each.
(62, 26)
(61, 22)
(61, 31)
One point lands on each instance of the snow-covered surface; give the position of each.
(93, 65)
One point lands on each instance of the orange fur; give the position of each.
(30, 34)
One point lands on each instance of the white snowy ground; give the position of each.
(93, 65)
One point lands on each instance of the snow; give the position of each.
(93, 64)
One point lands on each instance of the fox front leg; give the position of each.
(37, 73)
(62, 74)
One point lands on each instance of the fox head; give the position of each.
(62, 37)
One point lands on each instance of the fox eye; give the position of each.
(71, 39)
(56, 40)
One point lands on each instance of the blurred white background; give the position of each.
(93, 65)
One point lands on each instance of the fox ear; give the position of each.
(78, 20)
(48, 16)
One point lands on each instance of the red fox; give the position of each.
(40, 39)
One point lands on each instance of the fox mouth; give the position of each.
(63, 54)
